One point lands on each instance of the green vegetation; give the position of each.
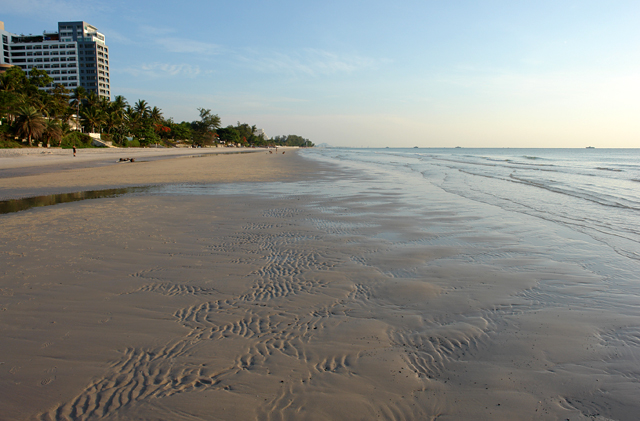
(57, 118)
(292, 140)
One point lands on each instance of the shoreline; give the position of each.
(266, 286)
(43, 159)
(40, 176)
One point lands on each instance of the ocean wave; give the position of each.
(608, 169)
(612, 201)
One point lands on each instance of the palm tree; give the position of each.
(40, 103)
(58, 102)
(52, 131)
(93, 100)
(29, 123)
(142, 108)
(132, 118)
(119, 104)
(92, 117)
(104, 103)
(79, 95)
(155, 115)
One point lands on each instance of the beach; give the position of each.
(58, 171)
(307, 285)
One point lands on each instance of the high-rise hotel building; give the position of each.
(75, 55)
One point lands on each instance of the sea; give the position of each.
(573, 206)
(590, 192)
(543, 245)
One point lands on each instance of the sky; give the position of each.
(428, 73)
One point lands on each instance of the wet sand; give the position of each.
(39, 174)
(271, 303)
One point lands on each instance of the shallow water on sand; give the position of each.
(390, 288)
(504, 264)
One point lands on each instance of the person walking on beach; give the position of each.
(74, 150)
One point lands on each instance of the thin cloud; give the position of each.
(154, 30)
(69, 9)
(113, 35)
(184, 45)
(159, 70)
(308, 62)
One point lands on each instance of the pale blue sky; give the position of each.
(371, 73)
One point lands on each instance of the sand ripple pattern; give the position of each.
(284, 311)
(162, 372)
(171, 290)
(140, 375)
(427, 353)
(144, 374)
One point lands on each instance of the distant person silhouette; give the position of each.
(74, 150)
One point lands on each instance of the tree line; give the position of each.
(62, 117)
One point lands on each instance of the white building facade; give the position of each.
(75, 55)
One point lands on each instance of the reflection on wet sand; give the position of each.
(17, 205)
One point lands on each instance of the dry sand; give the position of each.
(59, 172)
(234, 307)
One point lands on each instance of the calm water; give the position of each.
(576, 207)
(592, 191)
(589, 192)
